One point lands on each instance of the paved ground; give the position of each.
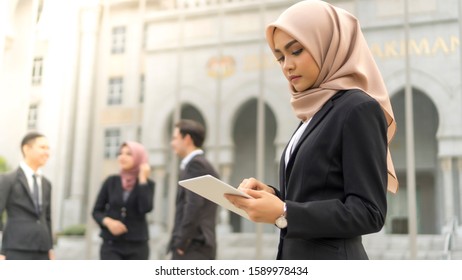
(242, 246)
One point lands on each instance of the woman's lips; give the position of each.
(294, 78)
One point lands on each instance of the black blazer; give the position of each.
(335, 182)
(25, 229)
(132, 212)
(195, 216)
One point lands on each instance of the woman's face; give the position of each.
(296, 62)
(125, 158)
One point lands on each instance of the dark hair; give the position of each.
(30, 139)
(194, 129)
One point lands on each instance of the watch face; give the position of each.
(281, 222)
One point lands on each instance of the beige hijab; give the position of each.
(334, 39)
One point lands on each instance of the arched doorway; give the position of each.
(188, 111)
(426, 150)
(245, 152)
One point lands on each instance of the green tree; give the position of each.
(3, 165)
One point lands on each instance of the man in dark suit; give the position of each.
(26, 195)
(193, 235)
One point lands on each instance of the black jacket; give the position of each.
(25, 229)
(335, 182)
(132, 212)
(195, 216)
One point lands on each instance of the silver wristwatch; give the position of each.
(281, 221)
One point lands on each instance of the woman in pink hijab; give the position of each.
(122, 205)
(336, 168)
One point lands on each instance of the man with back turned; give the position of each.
(193, 236)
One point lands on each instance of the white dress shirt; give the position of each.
(294, 140)
(189, 157)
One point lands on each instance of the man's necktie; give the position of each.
(35, 195)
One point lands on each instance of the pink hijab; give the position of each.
(140, 156)
(334, 39)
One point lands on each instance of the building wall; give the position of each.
(179, 44)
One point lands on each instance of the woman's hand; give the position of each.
(254, 184)
(114, 226)
(264, 208)
(143, 175)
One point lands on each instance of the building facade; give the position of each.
(92, 74)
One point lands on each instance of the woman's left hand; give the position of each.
(264, 208)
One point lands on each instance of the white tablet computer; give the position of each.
(214, 189)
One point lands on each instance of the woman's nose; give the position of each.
(288, 65)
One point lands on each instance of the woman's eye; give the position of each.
(280, 59)
(297, 52)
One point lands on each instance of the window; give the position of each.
(118, 40)
(145, 36)
(37, 71)
(142, 89)
(39, 11)
(115, 91)
(111, 143)
(32, 117)
(139, 133)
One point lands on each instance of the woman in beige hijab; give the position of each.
(336, 168)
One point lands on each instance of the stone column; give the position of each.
(158, 225)
(448, 196)
(4, 18)
(224, 225)
(89, 20)
(459, 165)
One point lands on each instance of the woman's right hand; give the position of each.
(114, 226)
(143, 175)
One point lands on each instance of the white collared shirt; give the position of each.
(30, 180)
(189, 157)
(294, 141)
